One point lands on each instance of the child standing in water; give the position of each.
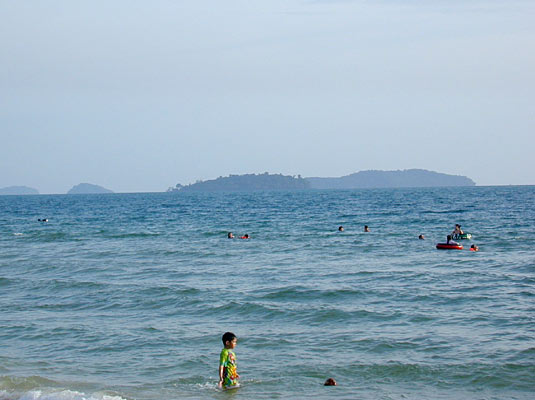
(228, 376)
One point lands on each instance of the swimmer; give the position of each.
(366, 229)
(246, 236)
(42, 220)
(230, 235)
(474, 248)
(341, 228)
(330, 382)
(421, 237)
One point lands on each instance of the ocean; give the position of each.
(126, 296)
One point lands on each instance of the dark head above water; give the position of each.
(330, 382)
(42, 219)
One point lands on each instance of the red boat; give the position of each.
(447, 246)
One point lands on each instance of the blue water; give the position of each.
(126, 296)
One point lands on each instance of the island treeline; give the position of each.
(88, 188)
(18, 190)
(391, 179)
(247, 182)
(358, 180)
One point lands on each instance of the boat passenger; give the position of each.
(449, 241)
(457, 230)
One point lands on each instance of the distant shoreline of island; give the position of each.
(82, 188)
(360, 180)
(370, 179)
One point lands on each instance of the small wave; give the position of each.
(4, 281)
(39, 388)
(460, 211)
(475, 375)
(46, 236)
(50, 394)
(301, 293)
(132, 235)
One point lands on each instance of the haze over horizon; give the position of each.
(136, 96)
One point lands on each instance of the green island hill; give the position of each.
(391, 179)
(358, 180)
(88, 188)
(245, 183)
(18, 190)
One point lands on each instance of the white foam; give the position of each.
(55, 395)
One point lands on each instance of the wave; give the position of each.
(39, 388)
(131, 235)
(4, 281)
(301, 293)
(51, 394)
(474, 374)
(459, 211)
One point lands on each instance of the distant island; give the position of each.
(358, 180)
(18, 190)
(88, 188)
(391, 179)
(245, 183)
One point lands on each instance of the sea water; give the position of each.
(126, 296)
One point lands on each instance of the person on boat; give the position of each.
(457, 230)
(341, 228)
(366, 229)
(449, 241)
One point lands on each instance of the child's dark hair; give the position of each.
(228, 337)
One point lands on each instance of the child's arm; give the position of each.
(221, 369)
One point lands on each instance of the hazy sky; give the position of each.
(141, 95)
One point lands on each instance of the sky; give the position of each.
(137, 96)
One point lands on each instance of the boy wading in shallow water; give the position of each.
(228, 376)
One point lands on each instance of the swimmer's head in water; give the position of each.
(366, 229)
(230, 235)
(421, 237)
(341, 228)
(330, 382)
